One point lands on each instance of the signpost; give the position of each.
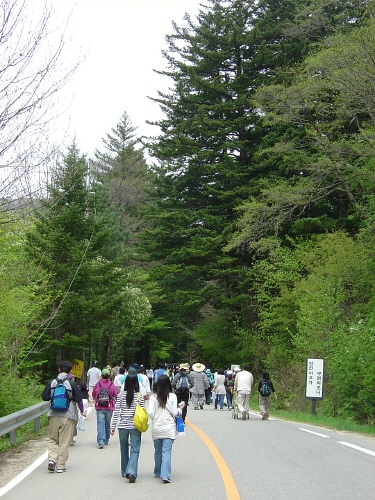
(314, 381)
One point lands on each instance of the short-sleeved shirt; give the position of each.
(94, 376)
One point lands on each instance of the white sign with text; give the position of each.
(314, 378)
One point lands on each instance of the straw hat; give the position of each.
(183, 366)
(198, 367)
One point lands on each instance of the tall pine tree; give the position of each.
(77, 241)
(210, 134)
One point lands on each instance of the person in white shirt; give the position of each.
(162, 410)
(118, 379)
(144, 386)
(93, 377)
(242, 384)
(150, 375)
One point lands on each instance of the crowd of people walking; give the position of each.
(164, 392)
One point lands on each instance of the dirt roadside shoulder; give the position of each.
(16, 460)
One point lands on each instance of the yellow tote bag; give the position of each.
(140, 417)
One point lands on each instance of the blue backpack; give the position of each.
(158, 373)
(60, 398)
(183, 382)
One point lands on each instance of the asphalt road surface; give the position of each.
(219, 458)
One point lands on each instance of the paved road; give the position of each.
(219, 458)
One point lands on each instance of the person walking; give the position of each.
(129, 435)
(163, 409)
(61, 423)
(150, 375)
(181, 384)
(229, 387)
(93, 377)
(80, 409)
(219, 389)
(265, 388)
(115, 370)
(118, 379)
(144, 384)
(242, 384)
(211, 383)
(157, 373)
(104, 394)
(201, 383)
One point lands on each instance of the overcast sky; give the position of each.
(122, 42)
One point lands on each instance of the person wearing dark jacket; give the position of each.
(61, 422)
(264, 395)
(182, 382)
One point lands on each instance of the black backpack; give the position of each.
(265, 388)
(104, 395)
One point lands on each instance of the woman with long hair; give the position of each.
(129, 436)
(163, 409)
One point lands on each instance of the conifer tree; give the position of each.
(123, 167)
(77, 241)
(210, 134)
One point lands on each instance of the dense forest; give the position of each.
(243, 231)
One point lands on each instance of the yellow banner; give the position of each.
(77, 370)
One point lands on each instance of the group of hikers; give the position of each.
(115, 393)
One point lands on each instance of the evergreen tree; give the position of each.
(77, 241)
(210, 134)
(122, 166)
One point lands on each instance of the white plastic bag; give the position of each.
(81, 423)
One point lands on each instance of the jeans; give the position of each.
(103, 423)
(163, 453)
(129, 460)
(229, 399)
(219, 398)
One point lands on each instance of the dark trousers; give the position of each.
(183, 396)
(207, 393)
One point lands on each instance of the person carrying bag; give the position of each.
(163, 410)
(123, 419)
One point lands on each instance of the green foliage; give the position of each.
(251, 237)
(17, 393)
(216, 343)
(80, 245)
(327, 143)
(22, 298)
(333, 301)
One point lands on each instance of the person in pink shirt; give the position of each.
(104, 394)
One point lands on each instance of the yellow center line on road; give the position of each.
(230, 485)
